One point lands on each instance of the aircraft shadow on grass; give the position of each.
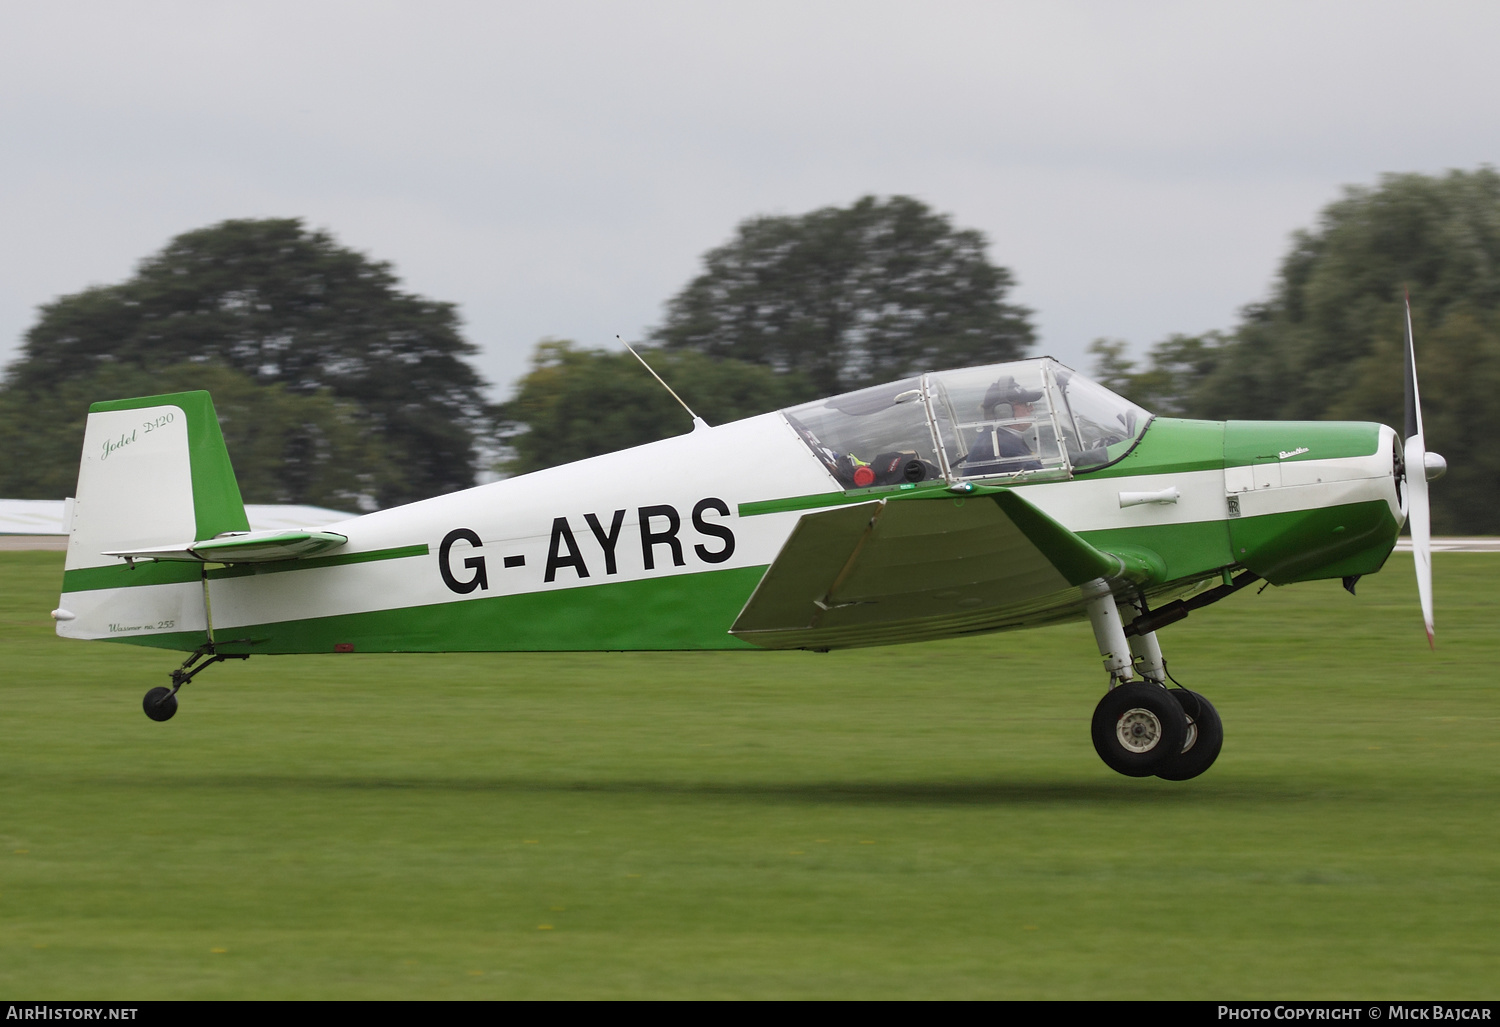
(972, 792)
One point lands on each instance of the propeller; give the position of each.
(1421, 467)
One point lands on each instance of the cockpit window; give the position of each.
(1022, 421)
(877, 436)
(997, 420)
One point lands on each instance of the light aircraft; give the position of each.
(949, 503)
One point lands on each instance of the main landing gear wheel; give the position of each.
(1138, 728)
(1205, 738)
(160, 704)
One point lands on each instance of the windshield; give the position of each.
(1104, 425)
(1024, 420)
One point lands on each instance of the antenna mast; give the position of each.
(697, 421)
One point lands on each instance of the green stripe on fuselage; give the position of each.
(1169, 445)
(1173, 445)
(277, 566)
(826, 499)
(683, 611)
(123, 575)
(1251, 442)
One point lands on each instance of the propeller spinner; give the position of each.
(1421, 467)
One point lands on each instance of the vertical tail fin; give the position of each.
(155, 471)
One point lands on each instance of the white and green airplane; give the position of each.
(951, 503)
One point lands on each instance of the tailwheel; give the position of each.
(160, 704)
(1139, 728)
(1205, 738)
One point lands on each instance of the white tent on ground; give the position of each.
(45, 516)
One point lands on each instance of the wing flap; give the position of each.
(820, 547)
(906, 569)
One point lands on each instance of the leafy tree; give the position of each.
(1458, 364)
(1168, 386)
(1339, 293)
(577, 403)
(1112, 368)
(286, 447)
(286, 307)
(1327, 344)
(849, 297)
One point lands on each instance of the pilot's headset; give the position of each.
(1006, 400)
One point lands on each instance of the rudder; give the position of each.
(154, 471)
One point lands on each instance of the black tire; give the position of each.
(1204, 742)
(1189, 703)
(160, 704)
(1138, 728)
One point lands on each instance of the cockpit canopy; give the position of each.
(1029, 420)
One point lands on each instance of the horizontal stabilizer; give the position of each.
(242, 547)
(896, 571)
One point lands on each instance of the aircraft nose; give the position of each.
(1434, 465)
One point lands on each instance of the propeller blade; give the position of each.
(1418, 512)
(1413, 400)
(1419, 520)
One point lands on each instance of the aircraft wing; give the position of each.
(245, 547)
(903, 570)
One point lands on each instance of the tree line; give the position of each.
(338, 388)
(789, 309)
(333, 386)
(1327, 343)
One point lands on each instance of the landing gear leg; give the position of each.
(1138, 727)
(1109, 633)
(1147, 653)
(161, 703)
(1205, 731)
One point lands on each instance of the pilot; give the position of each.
(1002, 448)
(1006, 400)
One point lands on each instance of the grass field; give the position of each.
(921, 821)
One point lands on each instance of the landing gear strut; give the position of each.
(1142, 728)
(161, 703)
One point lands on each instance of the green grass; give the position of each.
(920, 821)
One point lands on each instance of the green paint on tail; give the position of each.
(217, 506)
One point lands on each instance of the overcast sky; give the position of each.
(558, 169)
